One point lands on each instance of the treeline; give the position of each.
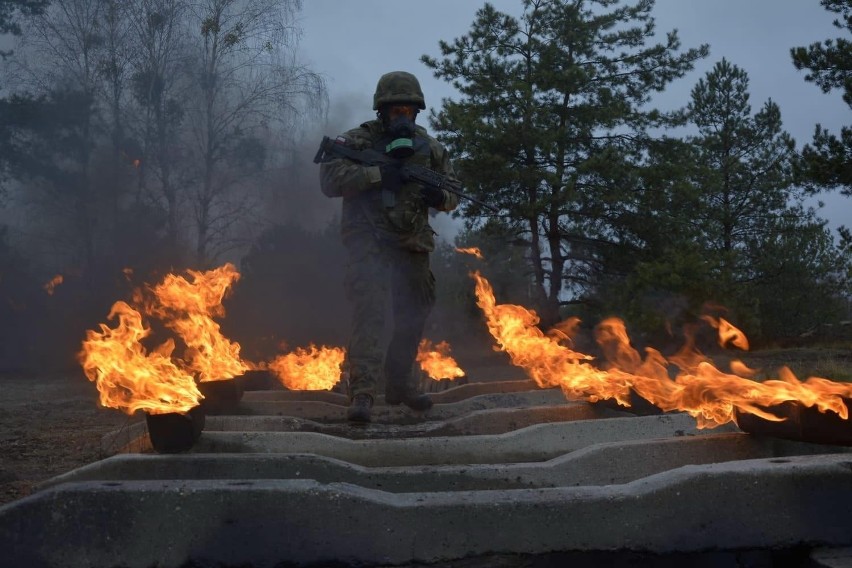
(138, 136)
(141, 136)
(612, 207)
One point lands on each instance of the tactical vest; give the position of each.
(400, 218)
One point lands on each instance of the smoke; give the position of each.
(292, 293)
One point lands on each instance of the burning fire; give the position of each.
(187, 306)
(473, 251)
(700, 389)
(50, 287)
(127, 376)
(315, 368)
(130, 378)
(728, 333)
(319, 368)
(435, 360)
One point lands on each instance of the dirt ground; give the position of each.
(51, 424)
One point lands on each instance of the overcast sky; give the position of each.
(354, 42)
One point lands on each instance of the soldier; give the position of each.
(385, 229)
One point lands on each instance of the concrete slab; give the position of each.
(327, 412)
(600, 464)
(127, 439)
(452, 394)
(494, 421)
(534, 443)
(296, 396)
(456, 394)
(832, 558)
(754, 504)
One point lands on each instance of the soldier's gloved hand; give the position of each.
(393, 175)
(432, 196)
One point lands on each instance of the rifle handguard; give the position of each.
(330, 149)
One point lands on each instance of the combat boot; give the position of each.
(359, 408)
(413, 400)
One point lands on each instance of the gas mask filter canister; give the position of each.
(400, 126)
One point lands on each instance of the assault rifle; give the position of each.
(330, 149)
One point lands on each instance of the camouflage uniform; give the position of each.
(388, 240)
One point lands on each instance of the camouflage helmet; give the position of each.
(398, 87)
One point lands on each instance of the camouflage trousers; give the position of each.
(375, 273)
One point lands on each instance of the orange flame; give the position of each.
(315, 368)
(319, 368)
(130, 379)
(50, 287)
(127, 377)
(728, 333)
(741, 370)
(188, 307)
(700, 389)
(436, 361)
(472, 250)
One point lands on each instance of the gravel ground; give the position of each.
(49, 425)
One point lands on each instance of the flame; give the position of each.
(315, 368)
(472, 250)
(319, 368)
(565, 331)
(740, 369)
(188, 306)
(728, 333)
(700, 389)
(50, 287)
(435, 360)
(129, 378)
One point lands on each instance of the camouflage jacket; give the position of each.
(405, 221)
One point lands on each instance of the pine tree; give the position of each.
(827, 161)
(551, 117)
(762, 246)
(747, 161)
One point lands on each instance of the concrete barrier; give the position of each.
(832, 558)
(132, 438)
(485, 476)
(452, 394)
(399, 414)
(493, 421)
(599, 464)
(772, 503)
(534, 443)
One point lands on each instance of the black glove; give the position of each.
(432, 196)
(393, 175)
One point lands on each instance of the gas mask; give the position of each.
(399, 123)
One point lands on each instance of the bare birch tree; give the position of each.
(248, 81)
(158, 36)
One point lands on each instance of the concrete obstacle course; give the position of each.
(496, 473)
